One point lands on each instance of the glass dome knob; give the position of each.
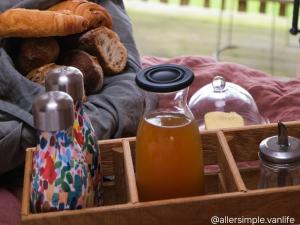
(218, 83)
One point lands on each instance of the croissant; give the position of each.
(36, 23)
(95, 14)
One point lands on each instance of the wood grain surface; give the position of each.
(231, 176)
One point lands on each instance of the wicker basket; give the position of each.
(231, 175)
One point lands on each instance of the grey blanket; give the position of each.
(114, 112)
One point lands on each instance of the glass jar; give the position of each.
(222, 104)
(280, 160)
(169, 158)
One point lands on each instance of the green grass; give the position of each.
(169, 34)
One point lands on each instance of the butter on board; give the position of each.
(218, 120)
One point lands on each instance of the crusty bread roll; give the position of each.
(107, 47)
(36, 23)
(88, 65)
(95, 14)
(36, 52)
(38, 75)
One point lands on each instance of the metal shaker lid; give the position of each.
(53, 111)
(280, 149)
(67, 79)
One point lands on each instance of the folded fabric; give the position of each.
(277, 100)
(114, 112)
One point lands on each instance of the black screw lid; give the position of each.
(164, 78)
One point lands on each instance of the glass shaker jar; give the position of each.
(280, 160)
(169, 158)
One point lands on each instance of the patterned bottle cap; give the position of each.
(67, 79)
(53, 111)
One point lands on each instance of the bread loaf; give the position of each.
(36, 23)
(36, 52)
(89, 66)
(107, 47)
(95, 14)
(38, 75)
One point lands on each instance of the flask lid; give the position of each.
(164, 78)
(280, 149)
(53, 111)
(67, 79)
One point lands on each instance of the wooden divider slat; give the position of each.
(276, 202)
(119, 170)
(129, 173)
(222, 185)
(25, 208)
(106, 155)
(115, 141)
(228, 166)
(209, 140)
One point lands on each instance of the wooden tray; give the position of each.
(231, 175)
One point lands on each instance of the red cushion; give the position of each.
(10, 208)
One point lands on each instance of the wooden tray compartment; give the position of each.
(219, 177)
(116, 186)
(228, 187)
(246, 154)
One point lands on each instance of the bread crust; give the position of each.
(36, 52)
(88, 65)
(95, 14)
(37, 23)
(38, 75)
(105, 44)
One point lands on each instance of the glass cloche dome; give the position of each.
(222, 104)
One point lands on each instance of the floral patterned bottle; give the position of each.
(60, 174)
(70, 80)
